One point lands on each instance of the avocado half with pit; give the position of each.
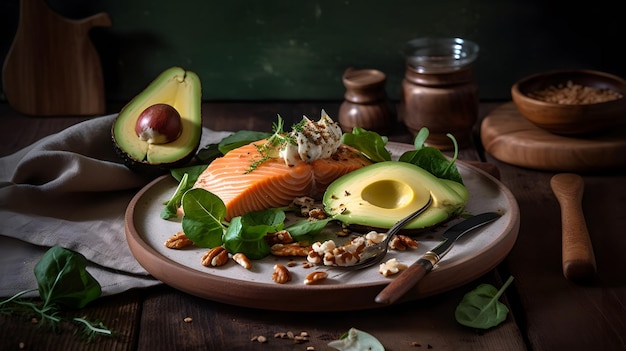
(376, 196)
(161, 127)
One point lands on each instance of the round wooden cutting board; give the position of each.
(510, 138)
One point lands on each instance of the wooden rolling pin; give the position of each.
(579, 263)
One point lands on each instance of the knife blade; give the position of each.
(414, 273)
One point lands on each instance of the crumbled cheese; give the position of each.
(315, 140)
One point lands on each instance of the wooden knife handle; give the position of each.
(579, 261)
(404, 282)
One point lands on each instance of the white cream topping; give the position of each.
(315, 140)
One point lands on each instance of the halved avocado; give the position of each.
(175, 87)
(377, 196)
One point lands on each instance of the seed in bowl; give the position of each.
(574, 94)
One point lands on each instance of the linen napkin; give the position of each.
(70, 189)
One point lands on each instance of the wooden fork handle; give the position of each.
(579, 261)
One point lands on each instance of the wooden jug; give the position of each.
(52, 68)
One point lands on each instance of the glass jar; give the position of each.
(366, 104)
(438, 90)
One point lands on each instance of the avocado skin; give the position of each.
(178, 88)
(147, 169)
(401, 189)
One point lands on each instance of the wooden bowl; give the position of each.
(533, 97)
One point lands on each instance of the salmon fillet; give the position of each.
(272, 183)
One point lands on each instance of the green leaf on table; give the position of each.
(356, 340)
(203, 216)
(481, 308)
(63, 279)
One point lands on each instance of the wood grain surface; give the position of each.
(52, 67)
(547, 311)
(510, 138)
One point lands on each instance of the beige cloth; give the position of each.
(70, 189)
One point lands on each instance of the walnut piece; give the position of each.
(279, 237)
(242, 260)
(402, 243)
(178, 241)
(281, 274)
(315, 277)
(391, 267)
(291, 249)
(217, 256)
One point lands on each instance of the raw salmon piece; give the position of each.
(272, 183)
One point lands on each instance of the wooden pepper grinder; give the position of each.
(365, 103)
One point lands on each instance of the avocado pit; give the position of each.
(159, 124)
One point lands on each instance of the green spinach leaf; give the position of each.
(202, 221)
(356, 340)
(306, 227)
(246, 233)
(431, 159)
(63, 279)
(240, 138)
(171, 206)
(480, 307)
(371, 144)
(193, 172)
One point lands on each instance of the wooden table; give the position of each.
(548, 312)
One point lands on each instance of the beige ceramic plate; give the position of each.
(471, 257)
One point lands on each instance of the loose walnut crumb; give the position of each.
(281, 274)
(178, 241)
(259, 338)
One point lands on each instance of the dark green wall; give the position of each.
(297, 50)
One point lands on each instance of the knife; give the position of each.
(414, 273)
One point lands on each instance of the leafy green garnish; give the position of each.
(246, 233)
(186, 178)
(202, 221)
(63, 279)
(204, 224)
(356, 340)
(480, 307)
(193, 172)
(305, 227)
(274, 143)
(431, 159)
(371, 144)
(63, 282)
(171, 206)
(240, 138)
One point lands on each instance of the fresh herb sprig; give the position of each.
(274, 143)
(63, 282)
